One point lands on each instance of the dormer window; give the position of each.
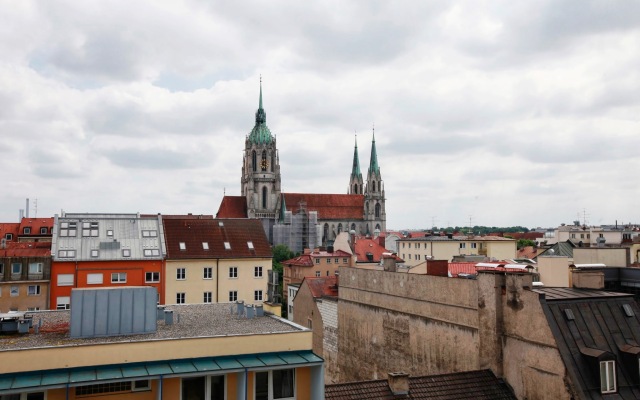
(27, 231)
(43, 231)
(8, 236)
(607, 377)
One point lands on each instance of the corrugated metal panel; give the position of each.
(113, 311)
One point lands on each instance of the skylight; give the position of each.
(250, 245)
(227, 246)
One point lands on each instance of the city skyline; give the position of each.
(497, 115)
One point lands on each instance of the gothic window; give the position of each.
(355, 188)
(339, 228)
(353, 227)
(254, 161)
(325, 234)
(264, 197)
(377, 210)
(373, 186)
(263, 163)
(273, 162)
(367, 209)
(378, 226)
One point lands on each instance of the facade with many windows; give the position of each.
(101, 250)
(417, 250)
(216, 260)
(25, 270)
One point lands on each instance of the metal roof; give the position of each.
(145, 370)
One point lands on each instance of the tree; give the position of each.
(525, 242)
(281, 253)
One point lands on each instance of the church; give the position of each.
(303, 220)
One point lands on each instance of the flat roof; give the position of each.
(189, 321)
(559, 293)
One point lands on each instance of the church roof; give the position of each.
(232, 207)
(260, 134)
(373, 163)
(355, 171)
(328, 206)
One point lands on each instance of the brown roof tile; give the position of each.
(322, 286)
(328, 206)
(232, 207)
(215, 232)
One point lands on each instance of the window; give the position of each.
(227, 246)
(474, 245)
(607, 376)
(337, 260)
(582, 236)
(33, 308)
(126, 252)
(33, 290)
(328, 261)
(573, 236)
(207, 273)
(14, 291)
(8, 236)
(463, 245)
(35, 268)
(257, 295)
(327, 273)
(152, 277)
(65, 280)
(95, 253)
(233, 295)
(151, 252)
(181, 274)
(317, 261)
(66, 253)
(16, 268)
(141, 385)
(150, 233)
(276, 384)
(309, 323)
(417, 256)
(207, 297)
(119, 277)
(62, 303)
(112, 387)
(109, 232)
(27, 231)
(344, 261)
(257, 272)
(94, 279)
(1, 269)
(317, 273)
(409, 245)
(182, 245)
(417, 245)
(90, 229)
(43, 231)
(180, 298)
(205, 245)
(233, 272)
(250, 245)
(68, 229)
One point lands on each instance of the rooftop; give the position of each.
(457, 239)
(557, 294)
(190, 321)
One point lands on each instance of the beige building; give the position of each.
(419, 249)
(207, 353)
(216, 261)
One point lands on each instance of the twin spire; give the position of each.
(374, 168)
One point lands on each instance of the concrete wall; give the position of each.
(554, 271)
(611, 257)
(404, 322)
(305, 313)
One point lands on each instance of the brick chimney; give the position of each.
(399, 383)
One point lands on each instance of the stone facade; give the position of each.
(328, 309)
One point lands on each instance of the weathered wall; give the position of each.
(531, 361)
(305, 313)
(329, 310)
(611, 257)
(419, 324)
(554, 271)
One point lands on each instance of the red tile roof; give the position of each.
(471, 268)
(368, 245)
(232, 207)
(35, 224)
(328, 206)
(10, 227)
(215, 232)
(26, 249)
(527, 252)
(322, 286)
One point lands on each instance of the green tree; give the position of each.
(525, 242)
(281, 253)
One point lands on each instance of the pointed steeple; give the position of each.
(260, 134)
(355, 171)
(283, 209)
(373, 163)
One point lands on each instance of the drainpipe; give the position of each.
(159, 396)
(217, 280)
(67, 392)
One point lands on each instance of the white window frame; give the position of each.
(233, 295)
(63, 303)
(181, 274)
(36, 290)
(233, 272)
(65, 280)
(317, 274)
(151, 252)
(155, 277)
(181, 298)
(119, 277)
(207, 273)
(463, 245)
(608, 382)
(126, 252)
(13, 265)
(14, 291)
(95, 253)
(257, 271)
(66, 253)
(39, 268)
(43, 230)
(270, 384)
(95, 279)
(257, 295)
(27, 231)
(207, 297)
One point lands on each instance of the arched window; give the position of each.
(355, 188)
(378, 227)
(339, 227)
(325, 233)
(273, 162)
(264, 197)
(366, 209)
(377, 210)
(353, 227)
(254, 161)
(373, 186)
(264, 162)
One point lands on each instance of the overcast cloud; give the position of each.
(496, 113)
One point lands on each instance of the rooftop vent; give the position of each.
(628, 311)
(568, 313)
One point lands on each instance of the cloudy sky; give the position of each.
(491, 112)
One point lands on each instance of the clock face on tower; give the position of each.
(264, 164)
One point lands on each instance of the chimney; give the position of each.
(27, 209)
(399, 383)
(307, 251)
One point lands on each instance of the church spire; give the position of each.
(355, 171)
(260, 134)
(373, 163)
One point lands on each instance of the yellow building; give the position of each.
(199, 352)
(416, 250)
(215, 260)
